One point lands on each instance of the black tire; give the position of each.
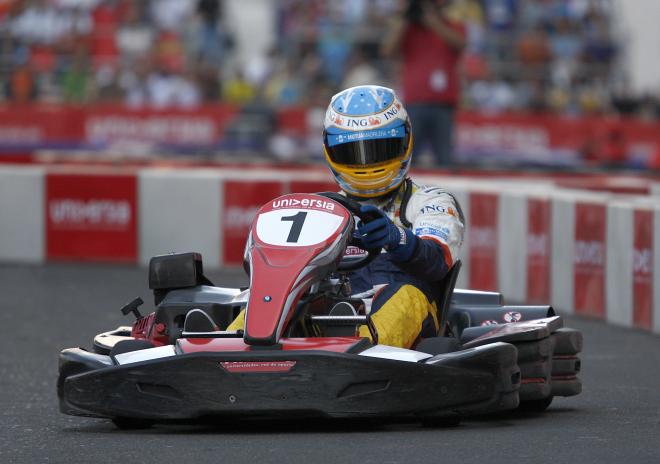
(535, 405)
(452, 420)
(129, 423)
(126, 346)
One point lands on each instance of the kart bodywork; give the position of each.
(299, 354)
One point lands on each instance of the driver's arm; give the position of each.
(437, 232)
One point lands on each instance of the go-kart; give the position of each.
(299, 354)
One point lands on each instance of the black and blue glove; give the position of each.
(382, 232)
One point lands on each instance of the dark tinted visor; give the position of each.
(368, 151)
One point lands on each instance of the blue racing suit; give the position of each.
(403, 308)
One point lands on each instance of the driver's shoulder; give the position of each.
(429, 194)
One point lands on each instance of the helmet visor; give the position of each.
(366, 152)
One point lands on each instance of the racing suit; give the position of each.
(403, 307)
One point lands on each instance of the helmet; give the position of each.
(367, 140)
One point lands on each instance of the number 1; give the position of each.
(298, 220)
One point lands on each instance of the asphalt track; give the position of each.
(45, 309)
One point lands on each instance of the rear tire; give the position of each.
(129, 423)
(535, 405)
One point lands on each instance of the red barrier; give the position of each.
(482, 228)
(538, 250)
(643, 270)
(242, 200)
(590, 259)
(91, 217)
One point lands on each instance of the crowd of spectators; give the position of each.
(541, 55)
(536, 55)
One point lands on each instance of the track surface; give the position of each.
(45, 309)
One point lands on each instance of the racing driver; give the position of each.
(368, 144)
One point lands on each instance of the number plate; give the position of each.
(297, 227)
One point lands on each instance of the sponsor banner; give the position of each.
(557, 139)
(44, 126)
(482, 227)
(40, 125)
(643, 269)
(589, 259)
(201, 127)
(539, 245)
(91, 217)
(242, 200)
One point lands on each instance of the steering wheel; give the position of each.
(354, 208)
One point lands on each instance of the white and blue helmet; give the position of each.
(367, 140)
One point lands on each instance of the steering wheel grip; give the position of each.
(354, 207)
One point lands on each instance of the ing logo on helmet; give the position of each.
(364, 107)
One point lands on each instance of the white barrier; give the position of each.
(619, 284)
(562, 246)
(179, 211)
(22, 224)
(512, 245)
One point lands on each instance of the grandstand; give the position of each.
(544, 82)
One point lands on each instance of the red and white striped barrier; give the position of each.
(590, 253)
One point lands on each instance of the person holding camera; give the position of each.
(430, 44)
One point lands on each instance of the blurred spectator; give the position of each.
(565, 43)
(135, 36)
(360, 71)
(208, 79)
(208, 41)
(493, 96)
(21, 86)
(76, 78)
(237, 89)
(533, 47)
(170, 15)
(430, 45)
(286, 87)
(529, 55)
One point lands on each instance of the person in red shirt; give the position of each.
(430, 45)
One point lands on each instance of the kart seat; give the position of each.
(443, 294)
(198, 321)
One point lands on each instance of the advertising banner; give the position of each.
(538, 250)
(242, 200)
(40, 126)
(91, 217)
(199, 127)
(589, 259)
(482, 227)
(643, 269)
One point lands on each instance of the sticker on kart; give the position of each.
(297, 227)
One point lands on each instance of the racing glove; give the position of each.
(382, 232)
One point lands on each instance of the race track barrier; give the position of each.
(591, 253)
